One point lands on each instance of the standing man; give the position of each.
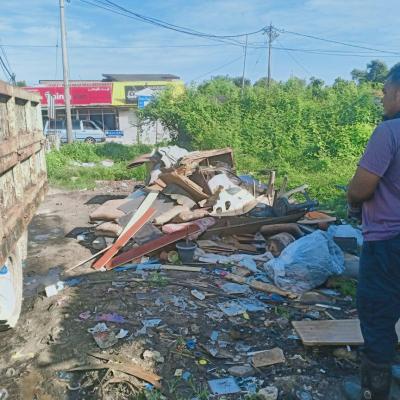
(375, 192)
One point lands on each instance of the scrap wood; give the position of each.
(153, 245)
(144, 206)
(124, 239)
(331, 332)
(292, 228)
(89, 259)
(241, 225)
(134, 370)
(195, 191)
(207, 157)
(261, 286)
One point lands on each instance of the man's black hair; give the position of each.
(394, 74)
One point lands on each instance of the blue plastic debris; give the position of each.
(224, 386)
(186, 376)
(214, 336)
(73, 281)
(191, 344)
(149, 387)
(138, 267)
(3, 270)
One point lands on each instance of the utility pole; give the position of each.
(67, 97)
(244, 64)
(272, 35)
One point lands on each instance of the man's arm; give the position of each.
(361, 187)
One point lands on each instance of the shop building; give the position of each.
(112, 103)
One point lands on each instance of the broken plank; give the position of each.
(133, 370)
(331, 332)
(89, 259)
(151, 246)
(144, 206)
(195, 191)
(261, 286)
(180, 268)
(124, 239)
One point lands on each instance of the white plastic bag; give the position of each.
(306, 263)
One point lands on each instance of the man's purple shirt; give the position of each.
(381, 214)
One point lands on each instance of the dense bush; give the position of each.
(314, 133)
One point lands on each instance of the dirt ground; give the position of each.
(52, 335)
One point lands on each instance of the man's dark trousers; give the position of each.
(378, 298)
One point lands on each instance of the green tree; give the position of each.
(376, 72)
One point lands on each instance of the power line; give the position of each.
(111, 7)
(339, 42)
(294, 59)
(180, 28)
(218, 68)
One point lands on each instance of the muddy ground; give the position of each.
(52, 337)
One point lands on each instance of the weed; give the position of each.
(157, 280)
(282, 312)
(64, 170)
(347, 286)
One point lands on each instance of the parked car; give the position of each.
(82, 130)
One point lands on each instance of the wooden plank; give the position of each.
(243, 225)
(331, 332)
(88, 259)
(144, 206)
(185, 183)
(151, 246)
(124, 239)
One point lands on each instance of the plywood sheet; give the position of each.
(331, 332)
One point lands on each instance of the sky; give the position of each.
(102, 42)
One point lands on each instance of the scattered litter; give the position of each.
(235, 288)
(268, 393)
(214, 336)
(153, 355)
(112, 317)
(191, 344)
(186, 375)
(85, 315)
(241, 370)
(122, 334)
(265, 358)
(199, 295)
(54, 289)
(224, 386)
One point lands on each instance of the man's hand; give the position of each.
(354, 213)
(361, 187)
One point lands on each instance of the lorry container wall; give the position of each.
(23, 182)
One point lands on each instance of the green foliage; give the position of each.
(311, 132)
(64, 170)
(376, 72)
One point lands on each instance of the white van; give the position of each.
(82, 130)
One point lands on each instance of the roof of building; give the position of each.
(139, 77)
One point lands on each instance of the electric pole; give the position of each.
(67, 98)
(272, 35)
(244, 64)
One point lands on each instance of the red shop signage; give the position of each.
(80, 95)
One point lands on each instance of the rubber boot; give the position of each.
(376, 381)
